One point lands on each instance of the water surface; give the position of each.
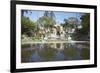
(43, 52)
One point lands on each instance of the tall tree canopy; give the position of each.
(83, 33)
(85, 22)
(71, 22)
(27, 26)
(49, 14)
(45, 21)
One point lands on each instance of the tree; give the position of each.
(68, 23)
(73, 21)
(85, 23)
(45, 21)
(83, 33)
(49, 14)
(27, 26)
(65, 24)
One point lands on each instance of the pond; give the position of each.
(43, 52)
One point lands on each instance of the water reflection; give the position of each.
(55, 52)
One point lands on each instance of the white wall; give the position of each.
(5, 36)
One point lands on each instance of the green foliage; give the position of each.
(27, 26)
(66, 24)
(49, 14)
(85, 23)
(83, 33)
(45, 21)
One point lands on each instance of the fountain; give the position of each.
(69, 38)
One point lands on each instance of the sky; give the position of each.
(59, 16)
